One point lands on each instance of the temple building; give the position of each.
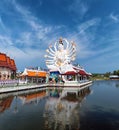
(59, 60)
(7, 67)
(32, 76)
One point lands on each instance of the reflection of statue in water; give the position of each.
(61, 55)
(64, 114)
(60, 117)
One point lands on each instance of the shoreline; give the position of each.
(10, 89)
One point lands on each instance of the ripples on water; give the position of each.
(96, 108)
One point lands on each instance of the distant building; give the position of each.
(7, 67)
(33, 76)
(114, 77)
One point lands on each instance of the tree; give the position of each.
(107, 74)
(114, 72)
(117, 72)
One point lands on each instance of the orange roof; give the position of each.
(3, 64)
(3, 57)
(5, 61)
(13, 64)
(36, 73)
(8, 60)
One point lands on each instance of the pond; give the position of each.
(95, 108)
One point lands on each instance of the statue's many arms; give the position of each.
(61, 54)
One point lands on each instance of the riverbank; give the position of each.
(15, 88)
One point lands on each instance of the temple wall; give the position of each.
(5, 73)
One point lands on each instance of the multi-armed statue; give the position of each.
(60, 56)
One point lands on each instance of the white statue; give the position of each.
(61, 55)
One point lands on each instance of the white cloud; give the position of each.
(114, 17)
(41, 35)
(37, 29)
(28, 57)
(5, 40)
(25, 39)
(41, 30)
(84, 26)
(2, 25)
(84, 38)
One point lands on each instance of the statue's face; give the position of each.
(60, 47)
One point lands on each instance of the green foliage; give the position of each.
(116, 72)
(13, 75)
(107, 74)
(97, 76)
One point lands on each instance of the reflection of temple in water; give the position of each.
(32, 97)
(64, 114)
(5, 104)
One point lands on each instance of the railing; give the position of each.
(8, 83)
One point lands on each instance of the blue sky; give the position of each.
(28, 27)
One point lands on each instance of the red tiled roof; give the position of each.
(82, 72)
(3, 64)
(3, 57)
(5, 61)
(13, 64)
(9, 62)
(70, 73)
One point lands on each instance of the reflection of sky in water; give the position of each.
(100, 110)
(95, 110)
(105, 94)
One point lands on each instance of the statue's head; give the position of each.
(60, 46)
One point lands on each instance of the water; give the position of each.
(96, 108)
